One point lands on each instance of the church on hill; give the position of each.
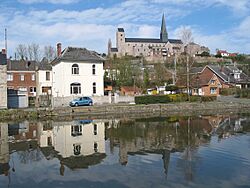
(153, 49)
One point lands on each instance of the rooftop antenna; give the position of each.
(5, 35)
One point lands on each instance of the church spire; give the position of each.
(164, 33)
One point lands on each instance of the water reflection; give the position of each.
(83, 143)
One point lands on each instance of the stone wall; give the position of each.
(97, 100)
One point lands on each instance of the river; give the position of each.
(197, 151)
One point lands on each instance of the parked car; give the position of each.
(81, 101)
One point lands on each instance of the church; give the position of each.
(153, 49)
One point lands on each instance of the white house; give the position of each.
(77, 72)
(43, 78)
(74, 138)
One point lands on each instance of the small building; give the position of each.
(194, 49)
(130, 91)
(77, 72)
(3, 80)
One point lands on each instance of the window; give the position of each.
(213, 90)
(95, 129)
(75, 88)
(75, 69)
(95, 147)
(93, 69)
(76, 130)
(33, 77)
(94, 88)
(9, 77)
(32, 89)
(22, 89)
(212, 81)
(77, 149)
(47, 76)
(22, 77)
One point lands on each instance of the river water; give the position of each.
(203, 151)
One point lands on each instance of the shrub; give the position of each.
(178, 97)
(152, 99)
(243, 93)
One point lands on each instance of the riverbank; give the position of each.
(127, 110)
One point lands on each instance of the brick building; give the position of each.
(21, 76)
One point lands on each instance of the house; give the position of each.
(43, 83)
(151, 48)
(194, 49)
(223, 53)
(130, 91)
(21, 76)
(3, 80)
(43, 78)
(208, 80)
(77, 72)
(205, 85)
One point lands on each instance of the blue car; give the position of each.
(81, 101)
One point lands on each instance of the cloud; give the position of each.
(48, 1)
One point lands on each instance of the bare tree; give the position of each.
(49, 52)
(34, 52)
(21, 51)
(186, 35)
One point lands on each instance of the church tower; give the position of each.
(164, 33)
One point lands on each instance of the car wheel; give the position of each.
(76, 104)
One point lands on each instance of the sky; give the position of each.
(217, 24)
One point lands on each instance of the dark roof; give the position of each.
(21, 65)
(44, 65)
(3, 59)
(114, 50)
(226, 73)
(78, 54)
(120, 30)
(150, 40)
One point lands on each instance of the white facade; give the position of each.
(74, 138)
(44, 82)
(63, 78)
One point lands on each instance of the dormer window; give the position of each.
(75, 69)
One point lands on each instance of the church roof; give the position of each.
(151, 40)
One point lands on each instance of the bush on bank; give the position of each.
(154, 99)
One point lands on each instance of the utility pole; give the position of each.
(188, 87)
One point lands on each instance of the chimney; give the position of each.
(59, 49)
(3, 51)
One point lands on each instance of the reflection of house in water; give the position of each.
(4, 149)
(231, 125)
(77, 144)
(23, 131)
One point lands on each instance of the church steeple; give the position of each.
(164, 33)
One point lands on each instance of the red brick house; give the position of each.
(211, 78)
(21, 76)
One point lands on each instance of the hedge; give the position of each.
(243, 93)
(154, 99)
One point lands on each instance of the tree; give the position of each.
(21, 51)
(49, 52)
(34, 52)
(186, 35)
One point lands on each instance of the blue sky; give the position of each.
(222, 24)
